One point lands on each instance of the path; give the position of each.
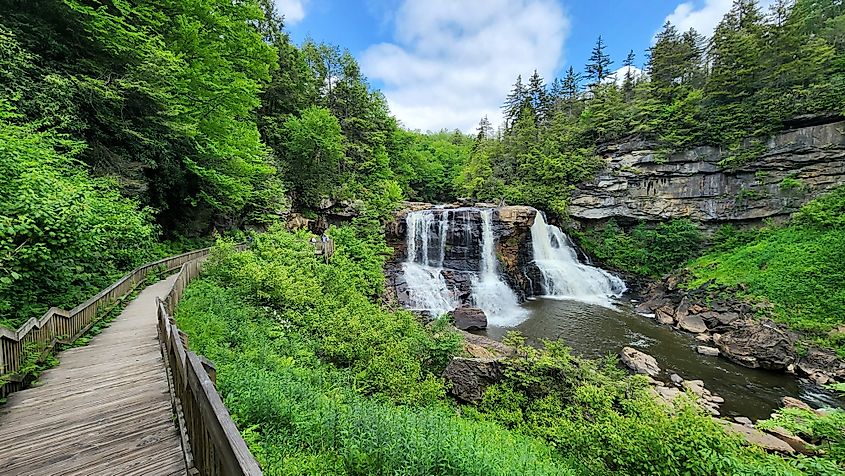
(105, 410)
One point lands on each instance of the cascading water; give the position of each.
(427, 288)
(563, 275)
(489, 292)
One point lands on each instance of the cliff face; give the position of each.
(794, 167)
(461, 248)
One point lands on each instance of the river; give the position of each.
(594, 331)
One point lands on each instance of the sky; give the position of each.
(443, 64)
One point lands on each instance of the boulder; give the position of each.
(469, 318)
(692, 323)
(796, 442)
(757, 437)
(704, 338)
(665, 315)
(757, 344)
(821, 365)
(639, 362)
(517, 215)
(469, 377)
(493, 346)
(705, 350)
(696, 387)
(744, 421)
(676, 379)
(791, 402)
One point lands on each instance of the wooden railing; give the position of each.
(41, 335)
(212, 444)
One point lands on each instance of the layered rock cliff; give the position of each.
(637, 185)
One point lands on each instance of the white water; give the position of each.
(563, 276)
(427, 288)
(489, 292)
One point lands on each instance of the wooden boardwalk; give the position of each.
(105, 410)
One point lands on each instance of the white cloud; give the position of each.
(293, 10)
(453, 62)
(618, 76)
(704, 16)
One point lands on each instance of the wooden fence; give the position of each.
(211, 442)
(38, 337)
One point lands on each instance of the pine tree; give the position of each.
(515, 102)
(570, 86)
(628, 83)
(538, 99)
(599, 66)
(485, 129)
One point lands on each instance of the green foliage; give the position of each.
(610, 422)
(298, 346)
(645, 250)
(794, 267)
(63, 234)
(824, 430)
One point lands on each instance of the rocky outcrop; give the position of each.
(469, 377)
(639, 362)
(757, 437)
(469, 319)
(758, 344)
(637, 185)
(736, 332)
(462, 253)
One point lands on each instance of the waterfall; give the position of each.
(427, 288)
(489, 292)
(563, 276)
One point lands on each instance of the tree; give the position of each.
(598, 67)
(628, 82)
(538, 99)
(313, 152)
(515, 102)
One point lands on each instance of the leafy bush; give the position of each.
(63, 234)
(825, 430)
(609, 422)
(648, 251)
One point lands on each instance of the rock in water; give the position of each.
(692, 323)
(640, 362)
(757, 344)
(469, 377)
(705, 350)
(469, 319)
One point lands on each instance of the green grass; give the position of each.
(798, 268)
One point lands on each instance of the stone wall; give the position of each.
(637, 186)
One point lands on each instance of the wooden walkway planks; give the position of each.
(105, 410)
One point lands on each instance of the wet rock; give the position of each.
(757, 437)
(692, 323)
(822, 366)
(676, 379)
(639, 362)
(469, 377)
(704, 338)
(744, 421)
(757, 344)
(665, 315)
(705, 350)
(791, 402)
(469, 318)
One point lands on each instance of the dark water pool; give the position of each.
(594, 331)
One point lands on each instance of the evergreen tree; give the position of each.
(598, 67)
(628, 82)
(515, 102)
(538, 99)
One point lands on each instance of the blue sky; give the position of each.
(445, 63)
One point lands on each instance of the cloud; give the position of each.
(618, 76)
(450, 63)
(293, 10)
(704, 17)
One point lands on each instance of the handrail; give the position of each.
(59, 326)
(211, 443)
